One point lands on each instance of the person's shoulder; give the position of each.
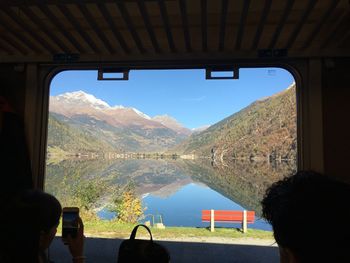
(43, 258)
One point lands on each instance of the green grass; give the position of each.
(113, 229)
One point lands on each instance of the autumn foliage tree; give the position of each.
(128, 206)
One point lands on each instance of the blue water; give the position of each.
(184, 208)
(105, 214)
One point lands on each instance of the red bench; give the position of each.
(228, 216)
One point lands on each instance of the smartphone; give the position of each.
(70, 217)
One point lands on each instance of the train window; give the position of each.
(164, 145)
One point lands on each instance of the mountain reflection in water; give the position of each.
(176, 189)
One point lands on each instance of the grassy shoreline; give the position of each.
(114, 229)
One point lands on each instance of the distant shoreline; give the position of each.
(155, 156)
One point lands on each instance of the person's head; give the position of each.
(310, 215)
(29, 224)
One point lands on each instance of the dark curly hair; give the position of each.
(310, 213)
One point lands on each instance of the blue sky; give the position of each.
(183, 94)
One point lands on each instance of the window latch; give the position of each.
(222, 73)
(112, 74)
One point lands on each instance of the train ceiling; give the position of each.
(45, 31)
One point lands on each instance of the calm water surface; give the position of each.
(178, 190)
(184, 208)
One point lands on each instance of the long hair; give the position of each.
(23, 220)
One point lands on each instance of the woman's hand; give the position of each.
(76, 245)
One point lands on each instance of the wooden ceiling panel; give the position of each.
(64, 28)
(79, 33)
(131, 23)
(7, 46)
(179, 30)
(41, 23)
(310, 22)
(283, 14)
(264, 13)
(96, 30)
(143, 25)
(204, 24)
(194, 23)
(232, 22)
(335, 29)
(319, 25)
(156, 21)
(342, 32)
(19, 34)
(185, 25)
(148, 25)
(112, 27)
(10, 44)
(252, 24)
(84, 23)
(167, 26)
(223, 24)
(267, 35)
(213, 24)
(305, 14)
(242, 24)
(104, 27)
(113, 11)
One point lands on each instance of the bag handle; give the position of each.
(133, 233)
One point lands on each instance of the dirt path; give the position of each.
(225, 240)
(214, 240)
(189, 250)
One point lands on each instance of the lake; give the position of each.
(176, 190)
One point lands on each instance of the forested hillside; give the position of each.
(83, 133)
(71, 140)
(266, 129)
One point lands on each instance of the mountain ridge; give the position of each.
(79, 102)
(122, 128)
(265, 129)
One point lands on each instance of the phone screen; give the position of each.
(70, 223)
(70, 219)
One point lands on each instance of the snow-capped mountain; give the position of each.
(125, 127)
(81, 97)
(142, 114)
(80, 103)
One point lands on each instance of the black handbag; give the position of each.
(142, 251)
